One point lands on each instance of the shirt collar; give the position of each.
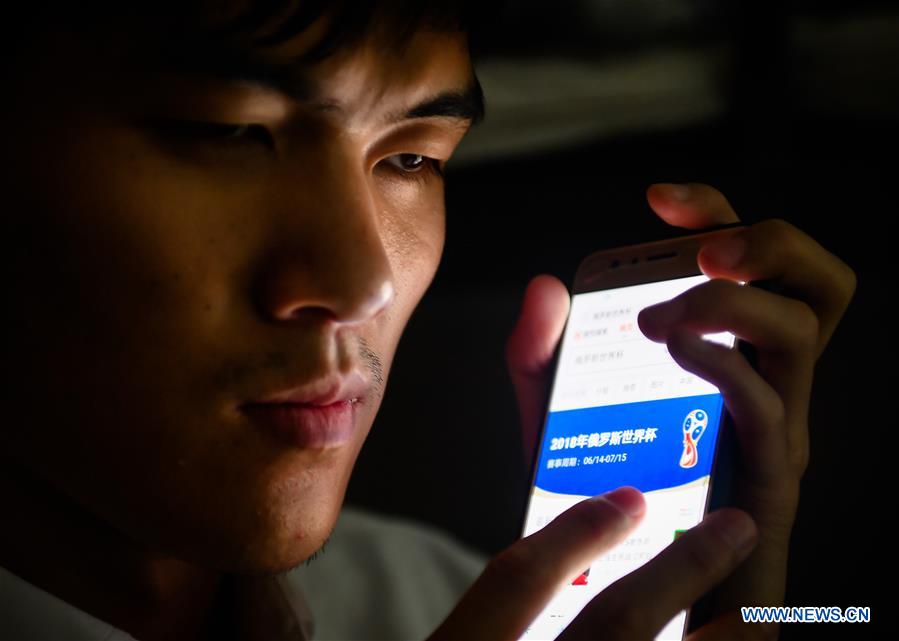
(268, 609)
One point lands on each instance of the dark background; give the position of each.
(799, 122)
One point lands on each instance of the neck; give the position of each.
(52, 542)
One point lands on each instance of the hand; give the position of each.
(518, 583)
(769, 406)
(789, 330)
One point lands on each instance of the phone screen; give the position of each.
(623, 412)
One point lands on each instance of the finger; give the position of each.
(783, 330)
(731, 627)
(776, 251)
(517, 583)
(771, 322)
(773, 457)
(692, 205)
(640, 604)
(530, 349)
(768, 453)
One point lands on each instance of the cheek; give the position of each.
(116, 221)
(127, 247)
(413, 239)
(414, 233)
(121, 264)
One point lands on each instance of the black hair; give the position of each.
(257, 23)
(349, 20)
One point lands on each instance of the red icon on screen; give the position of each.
(694, 426)
(582, 578)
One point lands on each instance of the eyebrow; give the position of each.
(467, 104)
(292, 81)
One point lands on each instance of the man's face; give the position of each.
(165, 274)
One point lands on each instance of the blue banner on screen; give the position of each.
(650, 445)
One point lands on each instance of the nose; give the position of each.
(331, 257)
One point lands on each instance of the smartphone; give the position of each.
(621, 412)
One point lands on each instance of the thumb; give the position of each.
(530, 349)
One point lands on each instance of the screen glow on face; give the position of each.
(623, 412)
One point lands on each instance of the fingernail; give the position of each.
(679, 192)
(627, 499)
(739, 532)
(665, 313)
(726, 253)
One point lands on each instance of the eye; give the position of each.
(231, 134)
(414, 163)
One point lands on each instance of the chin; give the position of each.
(276, 559)
(251, 508)
(280, 537)
(263, 549)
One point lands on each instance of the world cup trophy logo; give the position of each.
(694, 426)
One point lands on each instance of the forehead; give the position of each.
(368, 78)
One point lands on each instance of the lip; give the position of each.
(317, 416)
(305, 426)
(325, 391)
